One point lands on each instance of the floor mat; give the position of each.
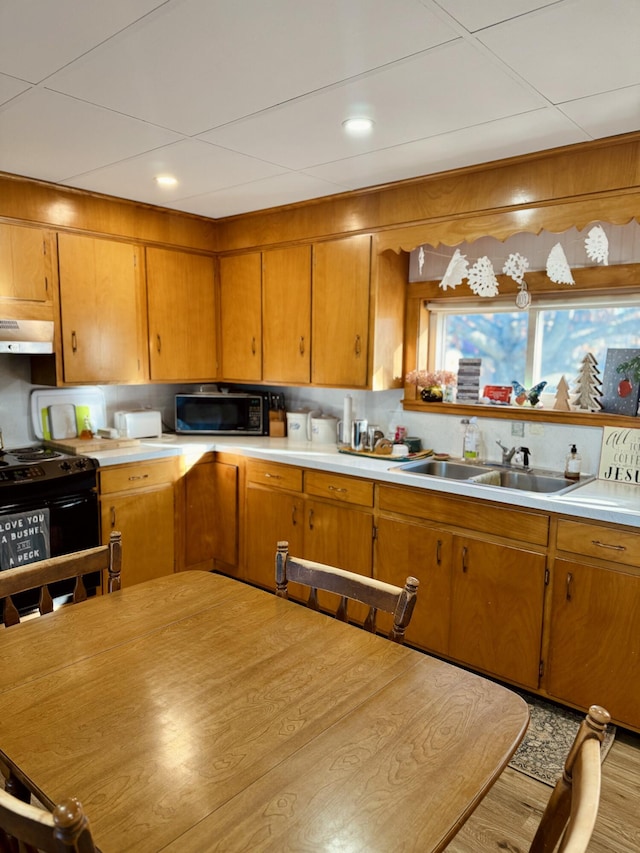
(546, 744)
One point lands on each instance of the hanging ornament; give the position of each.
(456, 271)
(523, 297)
(482, 278)
(558, 268)
(421, 260)
(597, 245)
(515, 267)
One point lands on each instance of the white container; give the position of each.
(142, 423)
(299, 426)
(323, 429)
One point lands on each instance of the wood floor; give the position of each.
(507, 818)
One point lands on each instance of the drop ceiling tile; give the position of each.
(10, 87)
(507, 137)
(574, 49)
(474, 15)
(606, 114)
(411, 100)
(195, 65)
(38, 37)
(270, 192)
(198, 166)
(50, 136)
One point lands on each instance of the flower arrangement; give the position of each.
(430, 378)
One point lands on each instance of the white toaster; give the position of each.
(142, 423)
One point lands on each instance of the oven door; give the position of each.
(73, 526)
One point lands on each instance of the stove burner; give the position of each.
(35, 453)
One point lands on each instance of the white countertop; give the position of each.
(599, 500)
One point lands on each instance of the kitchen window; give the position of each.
(545, 342)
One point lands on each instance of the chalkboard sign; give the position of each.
(620, 455)
(24, 538)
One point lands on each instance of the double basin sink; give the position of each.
(524, 480)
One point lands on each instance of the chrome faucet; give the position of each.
(507, 455)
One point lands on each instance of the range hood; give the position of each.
(32, 337)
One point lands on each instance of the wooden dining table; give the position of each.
(197, 713)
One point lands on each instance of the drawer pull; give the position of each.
(74, 342)
(159, 344)
(606, 545)
(113, 517)
(253, 346)
(273, 476)
(439, 552)
(302, 346)
(294, 512)
(358, 346)
(569, 586)
(139, 477)
(336, 489)
(310, 519)
(465, 567)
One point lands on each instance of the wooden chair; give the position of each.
(28, 829)
(41, 574)
(349, 586)
(571, 812)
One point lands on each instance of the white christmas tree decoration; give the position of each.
(456, 271)
(597, 245)
(482, 278)
(515, 267)
(587, 386)
(421, 260)
(558, 268)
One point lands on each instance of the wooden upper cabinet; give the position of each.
(24, 266)
(102, 310)
(241, 316)
(286, 315)
(182, 315)
(340, 310)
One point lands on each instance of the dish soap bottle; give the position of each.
(471, 441)
(572, 464)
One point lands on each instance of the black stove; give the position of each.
(38, 464)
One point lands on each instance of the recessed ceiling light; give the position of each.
(359, 126)
(165, 180)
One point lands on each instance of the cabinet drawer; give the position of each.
(127, 478)
(275, 476)
(525, 526)
(338, 488)
(613, 544)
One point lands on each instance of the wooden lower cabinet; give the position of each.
(497, 603)
(404, 548)
(210, 512)
(270, 516)
(138, 500)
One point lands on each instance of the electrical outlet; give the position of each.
(536, 429)
(517, 428)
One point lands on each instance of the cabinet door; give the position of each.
(182, 315)
(286, 315)
(340, 310)
(342, 537)
(271, 516)
(594, 653)
(101, 306)
(211, 515)
(402, 549)
(496, 609)
(23, 267)
(146, 521)
(241, 316)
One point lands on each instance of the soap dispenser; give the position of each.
(471, 441)
(572, 464)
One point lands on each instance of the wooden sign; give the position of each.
(620, 455)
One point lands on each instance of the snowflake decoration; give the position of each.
(515, 267)
(421, 260)
(558, 268)
(482, 278)
(456, 271)
(597, 245)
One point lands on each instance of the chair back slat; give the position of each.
(376, 595)
(40, 575)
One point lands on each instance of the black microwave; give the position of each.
(210, 413)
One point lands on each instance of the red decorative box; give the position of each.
(497, 393)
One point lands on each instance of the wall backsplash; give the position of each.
(548, 443)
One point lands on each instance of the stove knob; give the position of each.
(81, 464)
(66, 466)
